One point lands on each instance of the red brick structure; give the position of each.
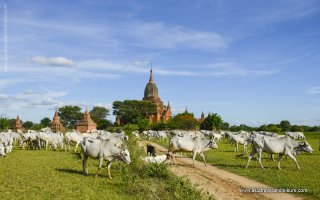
(56, 125)
(163, 113)
(18, 125)
(86, 124)
(202, 117)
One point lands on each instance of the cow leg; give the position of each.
(109, 167)
(253, 151)
(279, 161)
(293, 158)
(204, 159)
(237, 146)
(99, 166)
(84, 164)
(194, 154)
(75, 150)
(272, 157)
(259, 158)
(174, 158)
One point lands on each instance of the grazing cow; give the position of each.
(242, 139)
(151, 150)
(157, 159)
(195, 145)
(73, 137)
(296, 135)
(102, 150)
(277, 145)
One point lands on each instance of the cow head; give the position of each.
(213, 144)
(125, 156)
(306, 147)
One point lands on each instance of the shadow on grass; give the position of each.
(69, 171)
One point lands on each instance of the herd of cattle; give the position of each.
(103, 145)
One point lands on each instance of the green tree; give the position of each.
(103, 124)
(159, 126)
(132, 111)
(212, 122)
(45, 122)
(98, 115)
(4, 123)
(225, 126)
(184, 121)
(273, 128)
(37, 126)
(285, 125)
(27, 124)
(69, 115)
(143, 125)
(262, 128)
(296, 128)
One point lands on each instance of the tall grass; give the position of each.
(33, 174)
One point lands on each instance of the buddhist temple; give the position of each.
(86, 124)
(201, 118)
(56, 125)
(18, 125)
(163, 113)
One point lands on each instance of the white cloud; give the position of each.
(106, 105)
(53, 61)
(32, 91)
(46, 102)
(161, 36)
(313, 90)
(3, 97)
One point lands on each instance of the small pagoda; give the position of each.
(56, 125)
(86, 124)
(18, 125)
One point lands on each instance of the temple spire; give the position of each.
(151, 78)
(56, 113)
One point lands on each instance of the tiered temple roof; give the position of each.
(151, 93)
(56, 125)
(86, 124)
(18, 124)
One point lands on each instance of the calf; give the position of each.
(151, 150)
(157, 159)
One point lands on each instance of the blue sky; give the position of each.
(252, 62)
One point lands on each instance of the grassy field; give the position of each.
(33, 174)
(289, 177)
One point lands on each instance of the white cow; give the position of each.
(296, 135)
(242, 139)
(6, 140)
(156, 159)
(136, 133)
(73, 137)
(277, 145)
(102, 150)
(2, 152)
(195, 145)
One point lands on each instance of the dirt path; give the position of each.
(221, 184)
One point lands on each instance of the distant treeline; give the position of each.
(132, 115)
